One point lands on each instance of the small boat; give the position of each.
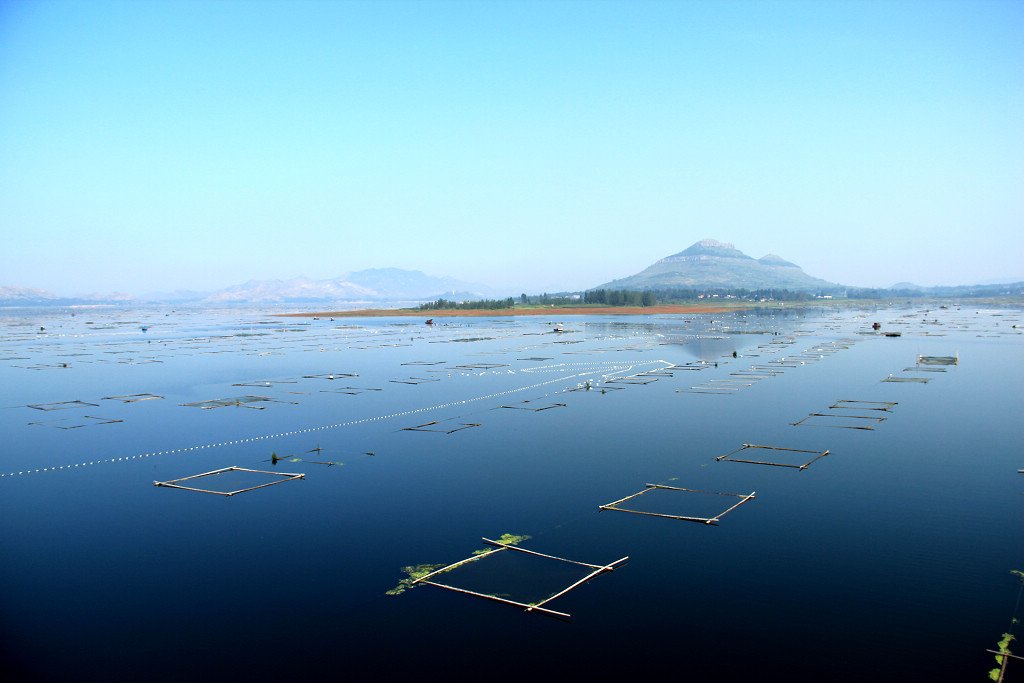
(893, 334)
(429, 321)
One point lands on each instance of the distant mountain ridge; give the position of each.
(710, 264)
(375, 284)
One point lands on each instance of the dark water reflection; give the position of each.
(889, 558)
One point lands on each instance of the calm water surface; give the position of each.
(889, 558)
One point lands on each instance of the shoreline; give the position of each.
(483, 312)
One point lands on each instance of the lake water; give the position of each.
(889, 558)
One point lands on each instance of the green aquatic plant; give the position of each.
(414, 572)
(504, 539)
(1004, 647)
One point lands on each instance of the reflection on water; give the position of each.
(893, 553)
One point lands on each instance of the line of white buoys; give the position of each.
(350, 423)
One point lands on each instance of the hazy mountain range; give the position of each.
(373, 285)
(706, 264)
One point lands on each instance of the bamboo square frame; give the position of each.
(704, 520)
(864, 405)
(173, 483)
(535, 607)
(423, 427)
(864, 425)
(819, 454)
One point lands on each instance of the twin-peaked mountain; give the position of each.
(709, 264)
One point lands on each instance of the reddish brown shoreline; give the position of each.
(487, 313)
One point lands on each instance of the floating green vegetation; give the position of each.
(415, 572)
(1004, 647)
(504, 539)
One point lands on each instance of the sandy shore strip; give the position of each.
(489, 313)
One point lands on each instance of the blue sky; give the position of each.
(526, 145)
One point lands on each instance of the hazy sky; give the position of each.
(526, 145)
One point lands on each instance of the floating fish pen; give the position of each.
(635, 379)
(840, 421)
(265, 382)
(63, 405)
(501, 594)
(864, 405)
(415, 380)
(352, 391)
(895, 378)
(801, 466)
(331, 375)
(722, 391)
(938, 360)
(279, 477)
(425, 362)
(75, 423)
(534, 408)
(602, 389)
(238, 401)
(132, 398)
(436, 426)
(712, 519)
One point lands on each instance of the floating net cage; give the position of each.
(75, 423)
(635, 379)
(132, 398)
(939, 360)
(799, 455)
(525, 405)
(663, 501)
(354, 391)
(278, 478)
(840, 421)
(709, 389)
(516, 576)
(331, 375)
(894, 378)
(415, 380)
(864, 405)
(238, 401)
(437, 426)
(63, 405)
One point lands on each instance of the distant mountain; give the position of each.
(29, 296)
(710, 264)
(14, 296)
(375, 284)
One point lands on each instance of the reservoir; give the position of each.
(828, 502)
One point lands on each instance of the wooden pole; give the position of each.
(471, 558)
(588, 577)
(532, 552)
(497, 599)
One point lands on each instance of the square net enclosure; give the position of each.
(229, 481)
(774, 455)
(516, 576)
(690, 505)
